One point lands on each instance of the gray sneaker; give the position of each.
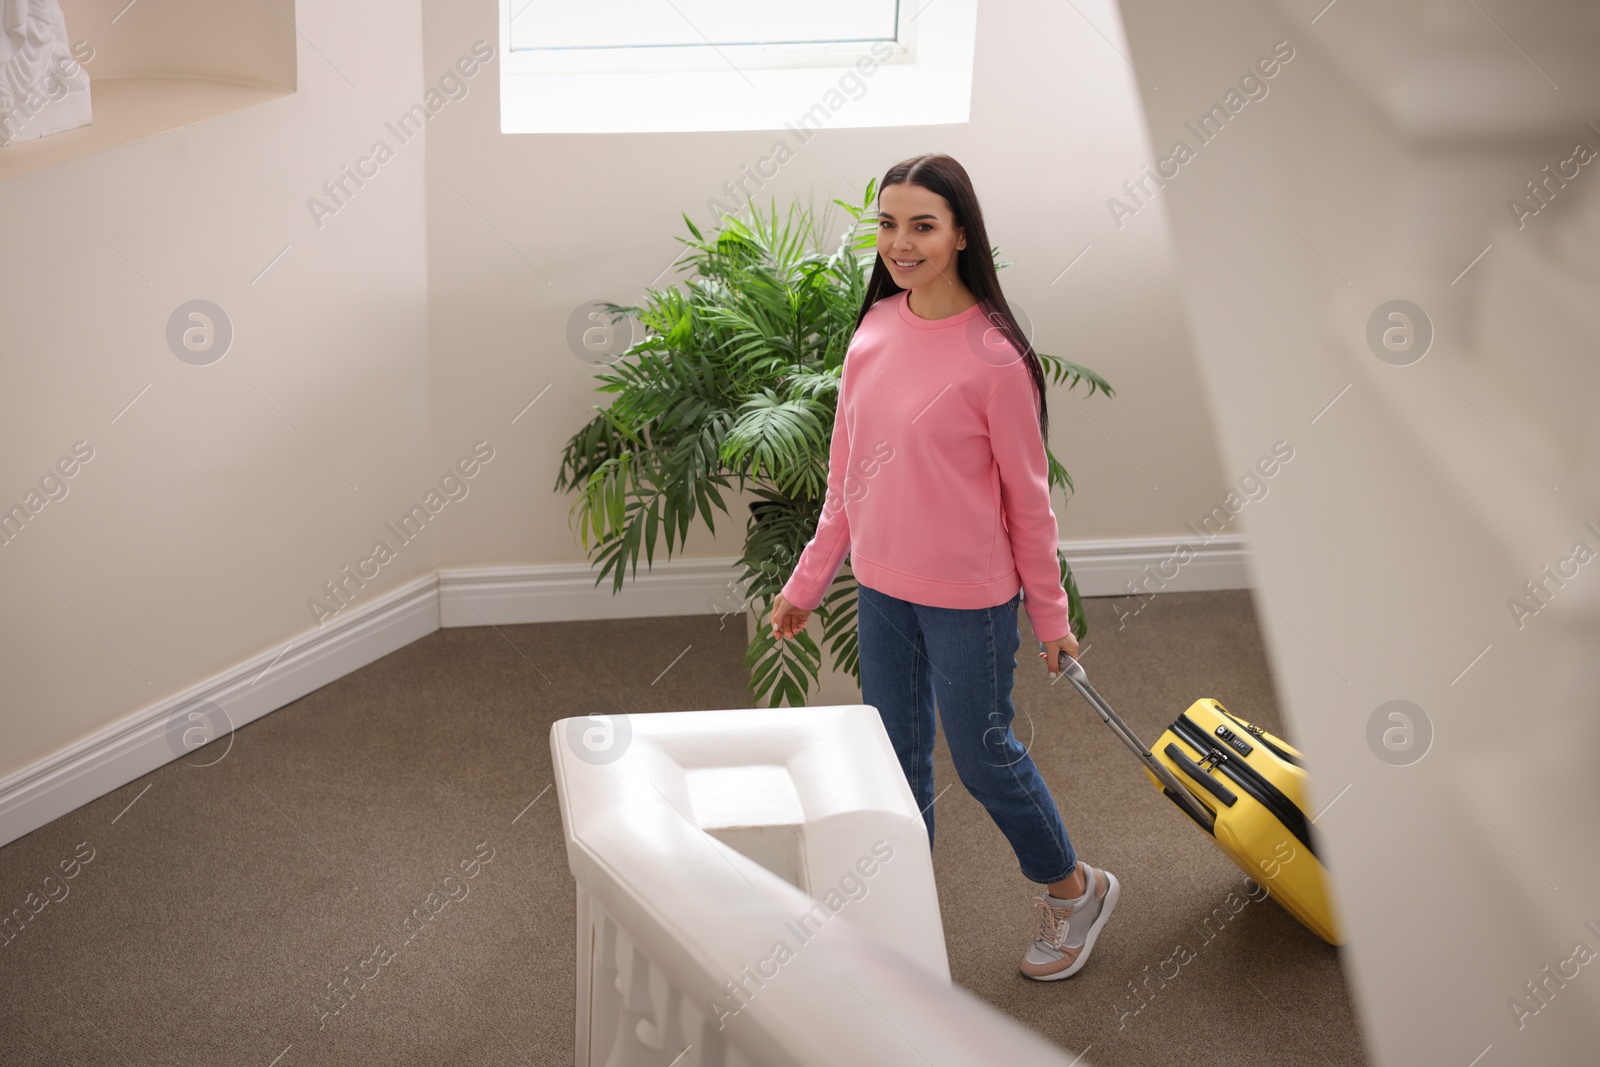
(1066, 934)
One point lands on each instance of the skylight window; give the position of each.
(622, 66)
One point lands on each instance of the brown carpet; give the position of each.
(378, 835)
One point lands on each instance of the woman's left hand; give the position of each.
(1051, 653)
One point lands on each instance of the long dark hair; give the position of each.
(974, 264)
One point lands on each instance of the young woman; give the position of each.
(938, 488)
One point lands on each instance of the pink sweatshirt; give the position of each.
(937, 480)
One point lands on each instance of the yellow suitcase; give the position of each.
(1244, 787)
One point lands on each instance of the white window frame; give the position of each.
(922, 78)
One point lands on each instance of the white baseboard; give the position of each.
(1153, 565)
(139, 743)
(557, 592)
(480, 596)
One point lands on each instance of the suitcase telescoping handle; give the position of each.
(1174, 789)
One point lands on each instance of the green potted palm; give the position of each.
(737, 380)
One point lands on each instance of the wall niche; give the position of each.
(159, 65)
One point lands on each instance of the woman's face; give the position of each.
(915, 226)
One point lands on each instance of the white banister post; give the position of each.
(756, 887)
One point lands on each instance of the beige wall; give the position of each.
(205, 520)
(430, 309)
(596, 216)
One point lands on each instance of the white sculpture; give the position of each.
(43, 86)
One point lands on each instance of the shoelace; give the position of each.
(1052, 921)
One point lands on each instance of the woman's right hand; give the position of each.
(787, 620)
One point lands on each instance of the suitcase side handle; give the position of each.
(1175, 789)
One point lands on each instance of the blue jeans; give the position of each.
(911, 653)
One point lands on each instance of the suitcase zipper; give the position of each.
(1197, 773)
(1248, 779)
(1261, 735)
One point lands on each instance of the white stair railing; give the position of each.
(755, 887)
